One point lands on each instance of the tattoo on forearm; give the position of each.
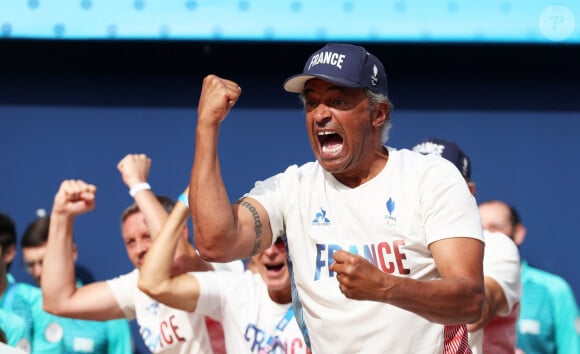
(257, 224)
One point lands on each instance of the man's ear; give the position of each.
(519, 234)
(381, 114)
(9, 254)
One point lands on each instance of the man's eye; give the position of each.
(339, 102)
(310, 105)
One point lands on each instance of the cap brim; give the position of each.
(296, 83)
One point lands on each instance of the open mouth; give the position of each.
(274, 267)
(330, 142)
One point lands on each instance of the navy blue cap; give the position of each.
(344, 65)
(448, 150)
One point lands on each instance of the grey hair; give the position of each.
(373, 99)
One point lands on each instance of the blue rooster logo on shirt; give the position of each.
(320, 218)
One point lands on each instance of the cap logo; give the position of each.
(447, 150)
(374, 78)
(330, 58)
(465, 166)
(430, 148)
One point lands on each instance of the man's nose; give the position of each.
(322, 112)
(142, 246)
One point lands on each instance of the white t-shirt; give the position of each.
(249, 317)
(390, 220)
(163, 329)
(234, 266)
(501, 262)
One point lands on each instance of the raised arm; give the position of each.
(222, 232)
(134, 169)
(455, 298)
(156, 278)
(60, 295)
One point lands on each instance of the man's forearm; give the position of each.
(58, 273)
(210, 206)
(451, 301)
(155, 274)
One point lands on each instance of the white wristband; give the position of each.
(138, 188)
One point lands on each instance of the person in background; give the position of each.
(255, 308)
(14, 328)
(549, 322)
(495, 332)
(373, 235)
(8, 242)
(79, 336)
(163, 329)
(23, 301)
(15, 331)
(5, 348)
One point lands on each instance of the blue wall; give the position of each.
(520, 130)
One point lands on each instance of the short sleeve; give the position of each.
(124, 290)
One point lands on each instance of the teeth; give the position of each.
(333, 150)
(326, 133)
